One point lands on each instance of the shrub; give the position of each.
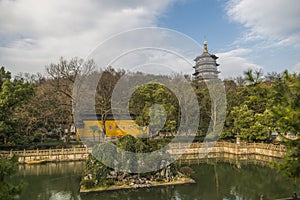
(159, 179)
(37, 137)
(110, 182)
(87, 183)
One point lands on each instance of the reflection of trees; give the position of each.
(52, 182)
(217, 180)
(248, 182)
(159, 193)
(67, 168)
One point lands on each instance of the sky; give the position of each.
(242, 33)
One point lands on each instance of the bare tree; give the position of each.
(64, 75)
(105, 87)
(240, 81)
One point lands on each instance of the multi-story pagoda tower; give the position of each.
(206, 67)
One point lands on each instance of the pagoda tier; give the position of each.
(206, 67)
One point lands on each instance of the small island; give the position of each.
(100, 177)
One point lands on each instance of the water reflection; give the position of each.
(65, 168)
(213, 181)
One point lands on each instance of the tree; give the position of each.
(14, 94)
(253, 77)
(205, 109)
(286, 103)
(286, 110)
(104, 92)
(8, 167)
(152, 103)
(290, 164)
(256, 100)
(232, 99)
(63, 77)
(251, 126)
(243, 120)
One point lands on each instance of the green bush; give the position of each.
(159, 180)
(110, 182)
(87, 183)
(37, 137)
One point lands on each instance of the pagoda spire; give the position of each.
(205, 46)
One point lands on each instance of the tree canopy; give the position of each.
(14, 95)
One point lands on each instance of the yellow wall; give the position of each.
(113, 128)
(87, 131)
(79, 131)
(123, 127)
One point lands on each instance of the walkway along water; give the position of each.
(192, 152)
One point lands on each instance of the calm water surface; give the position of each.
(60, 181)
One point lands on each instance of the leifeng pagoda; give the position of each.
(206, 67)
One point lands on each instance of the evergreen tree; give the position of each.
(286, 110)
(8, 167)
(14, 94)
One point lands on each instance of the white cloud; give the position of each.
(155, 62)
(35, 33)
(274, 20)
(233, 64)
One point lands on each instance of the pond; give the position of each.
(60, 181)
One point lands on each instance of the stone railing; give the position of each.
(202, 149)
(255, 153)
(187, 151)
(49, 155)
